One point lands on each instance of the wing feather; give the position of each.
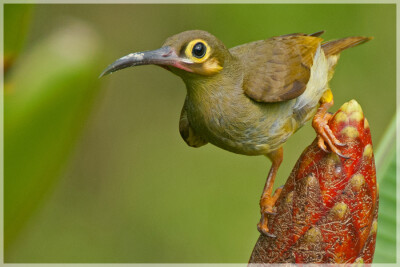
(277, 69)
(187, 132)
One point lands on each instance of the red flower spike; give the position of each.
(328, 209)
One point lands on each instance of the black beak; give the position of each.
(163, 56)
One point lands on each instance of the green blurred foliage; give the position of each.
(133, 191)
(17, 18)
(47, 98)
(385, 159)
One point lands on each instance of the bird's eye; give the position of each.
(199, 50)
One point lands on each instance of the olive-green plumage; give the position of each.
(256, 101)
(251, 98)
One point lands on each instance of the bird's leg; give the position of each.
(320, 124)
(268, 200)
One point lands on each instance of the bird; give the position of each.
(251, 98)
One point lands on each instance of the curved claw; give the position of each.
(267, 204)
(326, 138)
(341, 144)
(343, 156)
(264, 232)
(325, 134)
(269, 234)
(322, 145)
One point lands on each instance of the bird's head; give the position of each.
(187, 54)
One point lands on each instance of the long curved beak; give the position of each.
(165, 56)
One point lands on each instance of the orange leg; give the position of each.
(268, 200)
(320, 124)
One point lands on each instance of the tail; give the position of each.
(332, 48)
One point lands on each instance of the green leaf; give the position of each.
(385, 158)
(47, 99)
(17, 19)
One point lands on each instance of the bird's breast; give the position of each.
(232, 121)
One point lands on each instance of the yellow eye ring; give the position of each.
(199, 46)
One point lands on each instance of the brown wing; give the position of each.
(277, 69)
(187, 132)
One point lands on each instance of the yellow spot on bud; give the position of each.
(367, 151)
(357, 116)
(366, 124)
(374, 227)
(351, 106)
(289, 198)
(313, 235)
(350, 131)
(344, 106)
(340, 117)
(357, 181)
(339, 210)
(311, 180)
(359, 260)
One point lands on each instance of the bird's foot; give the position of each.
(267, 204)
(325, 134)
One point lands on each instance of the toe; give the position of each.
(321, 144)
(326, 136)
(270, 212)
(263, 229)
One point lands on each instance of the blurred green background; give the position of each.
(96, 171)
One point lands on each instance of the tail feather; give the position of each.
(335, 47)
(317, 34)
